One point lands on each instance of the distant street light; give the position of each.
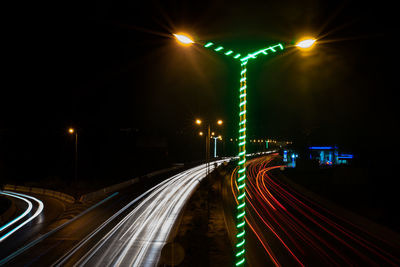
(208, 137)
(305, 44)
(215, 144)
(73, 131)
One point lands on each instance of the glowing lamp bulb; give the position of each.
(183, 39)
(306, 43)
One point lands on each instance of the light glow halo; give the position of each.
(183, 39)
(306, 43)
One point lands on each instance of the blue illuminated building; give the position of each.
(289, 158)
(324, 155)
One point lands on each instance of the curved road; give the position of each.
(138, 238)
(33, 214)
(27, 215)
(286, 228)
(129, 228)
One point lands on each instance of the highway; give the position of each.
(137, 239)
(129, 228)
(286, 228)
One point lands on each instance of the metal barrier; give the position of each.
(41, 191)
(116, 187)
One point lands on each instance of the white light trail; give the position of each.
(28, 210)
(137, 240)
(22, 215)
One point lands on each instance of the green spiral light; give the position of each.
(241, 176)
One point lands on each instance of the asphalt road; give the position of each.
(287, 228)
(48, 249)
(52, 208)
(129, 228)
(142, 231)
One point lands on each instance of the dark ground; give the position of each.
(361, 190)
(4, 204)
(205, 239)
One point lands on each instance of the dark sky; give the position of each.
(111, 64)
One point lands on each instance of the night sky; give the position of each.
(112, 65)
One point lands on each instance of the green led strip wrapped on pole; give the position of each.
(241, 176)
(186, 40)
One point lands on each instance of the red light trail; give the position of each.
(307, 233)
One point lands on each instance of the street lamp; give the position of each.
(184, 39)
(215, 144)
(306, 43)
(208, 137)
(75, 132)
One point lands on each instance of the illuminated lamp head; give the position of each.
(183, 39)
(306, 43)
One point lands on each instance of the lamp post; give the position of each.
(215, 144)
(208, 138)
(186, 40)
(75, 132)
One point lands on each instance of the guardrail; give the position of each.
(40, 191)
(116, 187)
(86, 197)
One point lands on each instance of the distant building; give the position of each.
(323, 155)
(289, 158)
